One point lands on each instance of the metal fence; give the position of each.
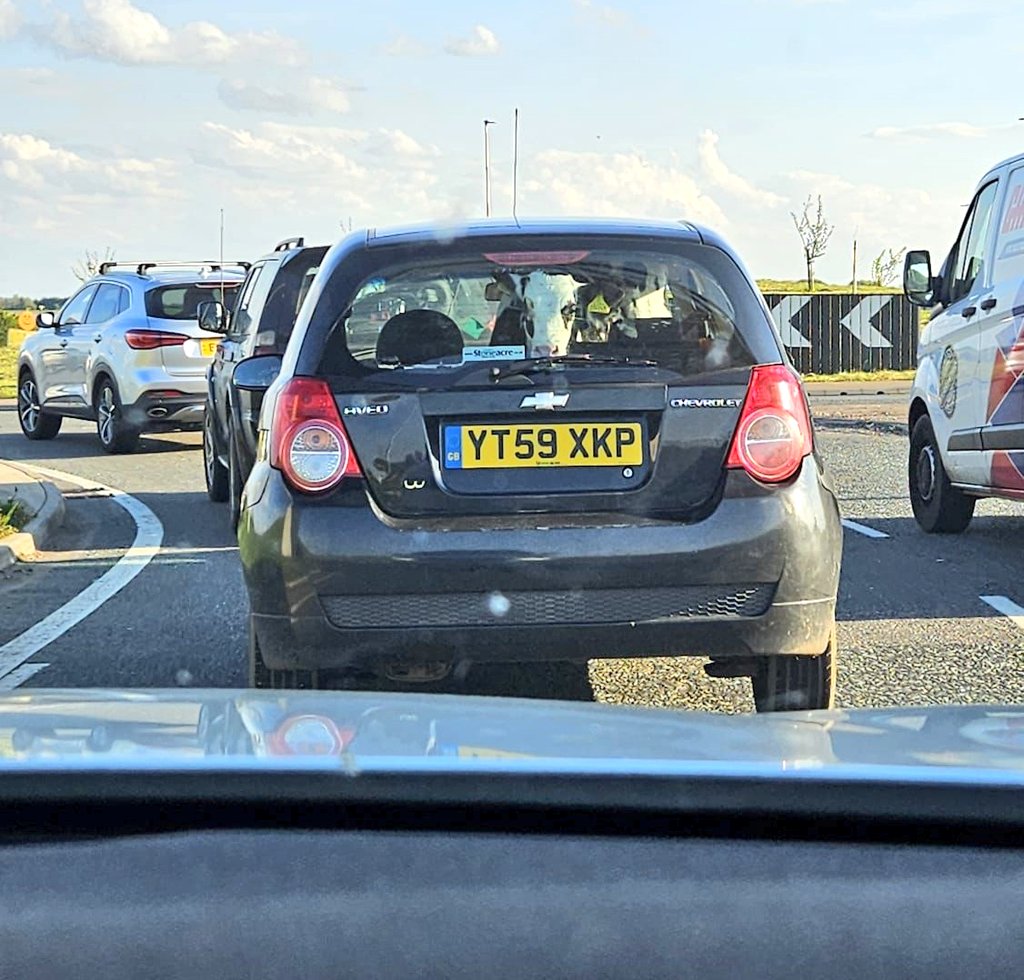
(830, 332)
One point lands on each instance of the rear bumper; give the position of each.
(333, 586)
(158, 408)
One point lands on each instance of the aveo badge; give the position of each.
(365, 410)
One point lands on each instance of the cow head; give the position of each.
(549, 303)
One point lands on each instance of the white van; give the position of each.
(967, 402)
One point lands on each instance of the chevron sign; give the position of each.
(829, 332)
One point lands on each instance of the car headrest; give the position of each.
(417, 336)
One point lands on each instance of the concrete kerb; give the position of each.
(45, 502)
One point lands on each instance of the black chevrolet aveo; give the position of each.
(537, 441)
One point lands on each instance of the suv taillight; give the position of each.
(774, 432)
(152, 339)
(308, 442)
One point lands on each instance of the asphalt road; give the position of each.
(913, 628)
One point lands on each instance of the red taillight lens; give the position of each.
(151, 339)
(774, 432)
(309, 735)
(308, 443)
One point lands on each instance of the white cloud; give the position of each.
(623, 184)
(10, 19)
(385, 176)
(601, 13)
(293, 98)
(480, 41)
(117, 31)
(404, 46)
(714, 168)
(939, 130)
(36, 164)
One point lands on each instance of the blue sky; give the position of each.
(130, 123)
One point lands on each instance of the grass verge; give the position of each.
(846, 376)
(12, 517)
(8, 365)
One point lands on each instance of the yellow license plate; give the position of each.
(470, 447)
(208, 347)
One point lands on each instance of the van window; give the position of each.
(970, 250)
(1008, 256)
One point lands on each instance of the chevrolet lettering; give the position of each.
(705, 403)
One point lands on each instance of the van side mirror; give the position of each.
(257, 373)
(212, 317)
(46, 319)
(918, 283)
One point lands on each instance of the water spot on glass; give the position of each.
(183, 678)
(498, 605)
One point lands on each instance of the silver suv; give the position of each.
(126, 350)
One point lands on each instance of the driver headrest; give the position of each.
(417, 336)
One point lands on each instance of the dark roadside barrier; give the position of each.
(826, 333)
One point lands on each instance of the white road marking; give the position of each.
(868, 532)
(149, 534)
(19, 675)
(1010, 609)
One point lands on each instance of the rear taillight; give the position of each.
(774, 432)
(151, 339)
(308, 442)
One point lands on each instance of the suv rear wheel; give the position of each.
(938, 506)
(213, 469)
(796, 683)
(34, 424)
(115, 434)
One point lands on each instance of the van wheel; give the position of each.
(115, 434)
(213, 469)
(938, 506)
(34, 424)
(796, 683)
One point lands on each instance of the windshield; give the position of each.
(562, 354)
(445, 311)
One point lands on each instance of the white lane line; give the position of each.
(149, 534)
(868, 532)
(19, 675)
(1010, 609)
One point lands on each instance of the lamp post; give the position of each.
(487, 167)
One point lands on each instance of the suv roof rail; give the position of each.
(142, 268)
(287, 243)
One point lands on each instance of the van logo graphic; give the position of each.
(545, 401)
(365, 410)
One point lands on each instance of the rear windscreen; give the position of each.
(181, 301)
(678, 307)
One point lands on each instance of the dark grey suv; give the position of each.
(538, 441)
(260, 323)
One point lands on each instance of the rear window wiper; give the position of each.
(538, 364)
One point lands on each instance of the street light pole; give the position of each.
(487, 167)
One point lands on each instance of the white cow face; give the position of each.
(550, 304)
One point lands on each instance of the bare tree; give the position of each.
(886, 265)
(814, 232)
(87, 266)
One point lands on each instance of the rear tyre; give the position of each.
(34, 424)
(115, 434)
(938, 506)
(213, 469)
(264, 677)
(796, 683)
(234, 483)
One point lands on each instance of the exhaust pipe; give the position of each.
(157, 412)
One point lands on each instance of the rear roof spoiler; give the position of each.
(142, 268)
(289, 243)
